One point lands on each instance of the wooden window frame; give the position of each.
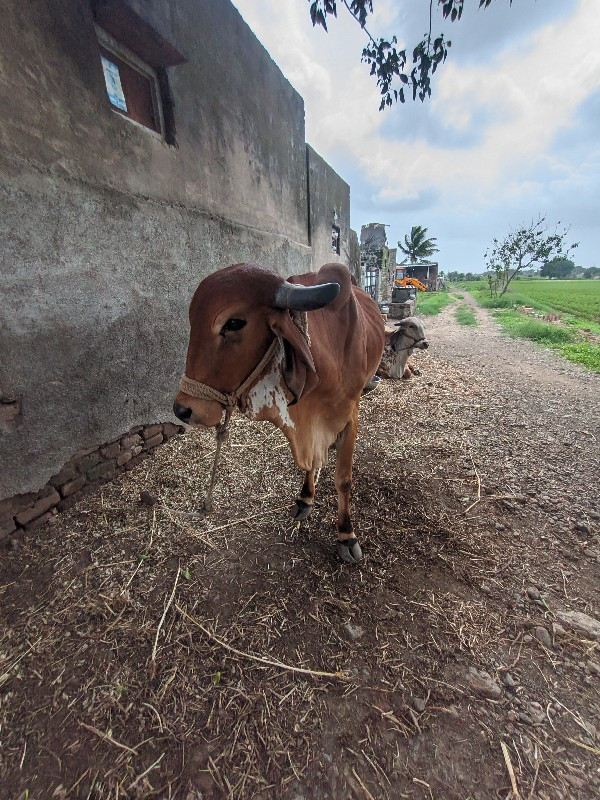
(122, 52)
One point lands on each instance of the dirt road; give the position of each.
(156, 652)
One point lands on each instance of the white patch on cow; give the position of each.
(268, 393)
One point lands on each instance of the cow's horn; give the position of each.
(305, 298)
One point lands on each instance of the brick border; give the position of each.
(83, 473)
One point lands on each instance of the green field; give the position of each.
(581, 298)
(576, 302)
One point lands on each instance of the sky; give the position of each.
(511, 131)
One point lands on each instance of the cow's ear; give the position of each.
(299, 371)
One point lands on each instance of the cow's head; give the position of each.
(234, 316)
(409, 334)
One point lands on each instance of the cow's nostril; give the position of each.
(425, 345)
(181, 412)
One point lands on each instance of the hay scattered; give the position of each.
(165, 652)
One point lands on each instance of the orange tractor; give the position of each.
(406, 288)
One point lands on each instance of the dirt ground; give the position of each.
(154, 651)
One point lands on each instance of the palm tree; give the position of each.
(418, 246)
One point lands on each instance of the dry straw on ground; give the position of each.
(162, 652)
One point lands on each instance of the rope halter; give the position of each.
(408, 346)
(203, 391)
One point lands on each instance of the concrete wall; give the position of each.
(106, 230)
(329, 203)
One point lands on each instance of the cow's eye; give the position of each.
(233, 324)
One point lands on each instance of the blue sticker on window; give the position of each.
(112, 78)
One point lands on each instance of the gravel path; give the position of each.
(543, 410)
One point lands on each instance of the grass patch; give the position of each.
(465, 316)
(537, 330)
(431, 303)
(458, 296)
(582, 353)
(561, 339)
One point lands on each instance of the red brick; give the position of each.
(12, 506)
(87, 462)
(170, 430)
(135, 451)
(151, 431)
(67, 473)
(137, 429)
(38, 508)
(73, 486)
(102, 470)
(136, 460)
(6, 528)
(130, 441)
(39, 521)
(154, 441)
(110, 450)
(123, 457)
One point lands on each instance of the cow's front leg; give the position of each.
(347, 544)
(304, 503)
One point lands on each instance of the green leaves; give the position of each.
(389, 65)
(418, 246)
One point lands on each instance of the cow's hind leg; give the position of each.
(347, 544)
(304, 503)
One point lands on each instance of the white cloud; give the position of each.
(483, 144)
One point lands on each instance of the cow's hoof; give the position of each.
(301, 510)
(372, 384)
(349, 550)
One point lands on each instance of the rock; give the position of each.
(419, 704)
(543, 636)
(355, 632)
(533, 593)
(147, 499)
(527, 639)
(581, 527)
(558, 629)
(580, 622)
(509, 681)
(593, 667)
(483, 684)
(536, 712)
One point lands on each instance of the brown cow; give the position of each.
(251, 347)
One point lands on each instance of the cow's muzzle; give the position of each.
(182, 413)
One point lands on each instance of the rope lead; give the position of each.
(222, 433)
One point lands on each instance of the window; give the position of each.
(135, 58)
(132, 86)
(335, 239)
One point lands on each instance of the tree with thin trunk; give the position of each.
(417, 246)
(527, 247)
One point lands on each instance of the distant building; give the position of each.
(374, 259)
(424, 271)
